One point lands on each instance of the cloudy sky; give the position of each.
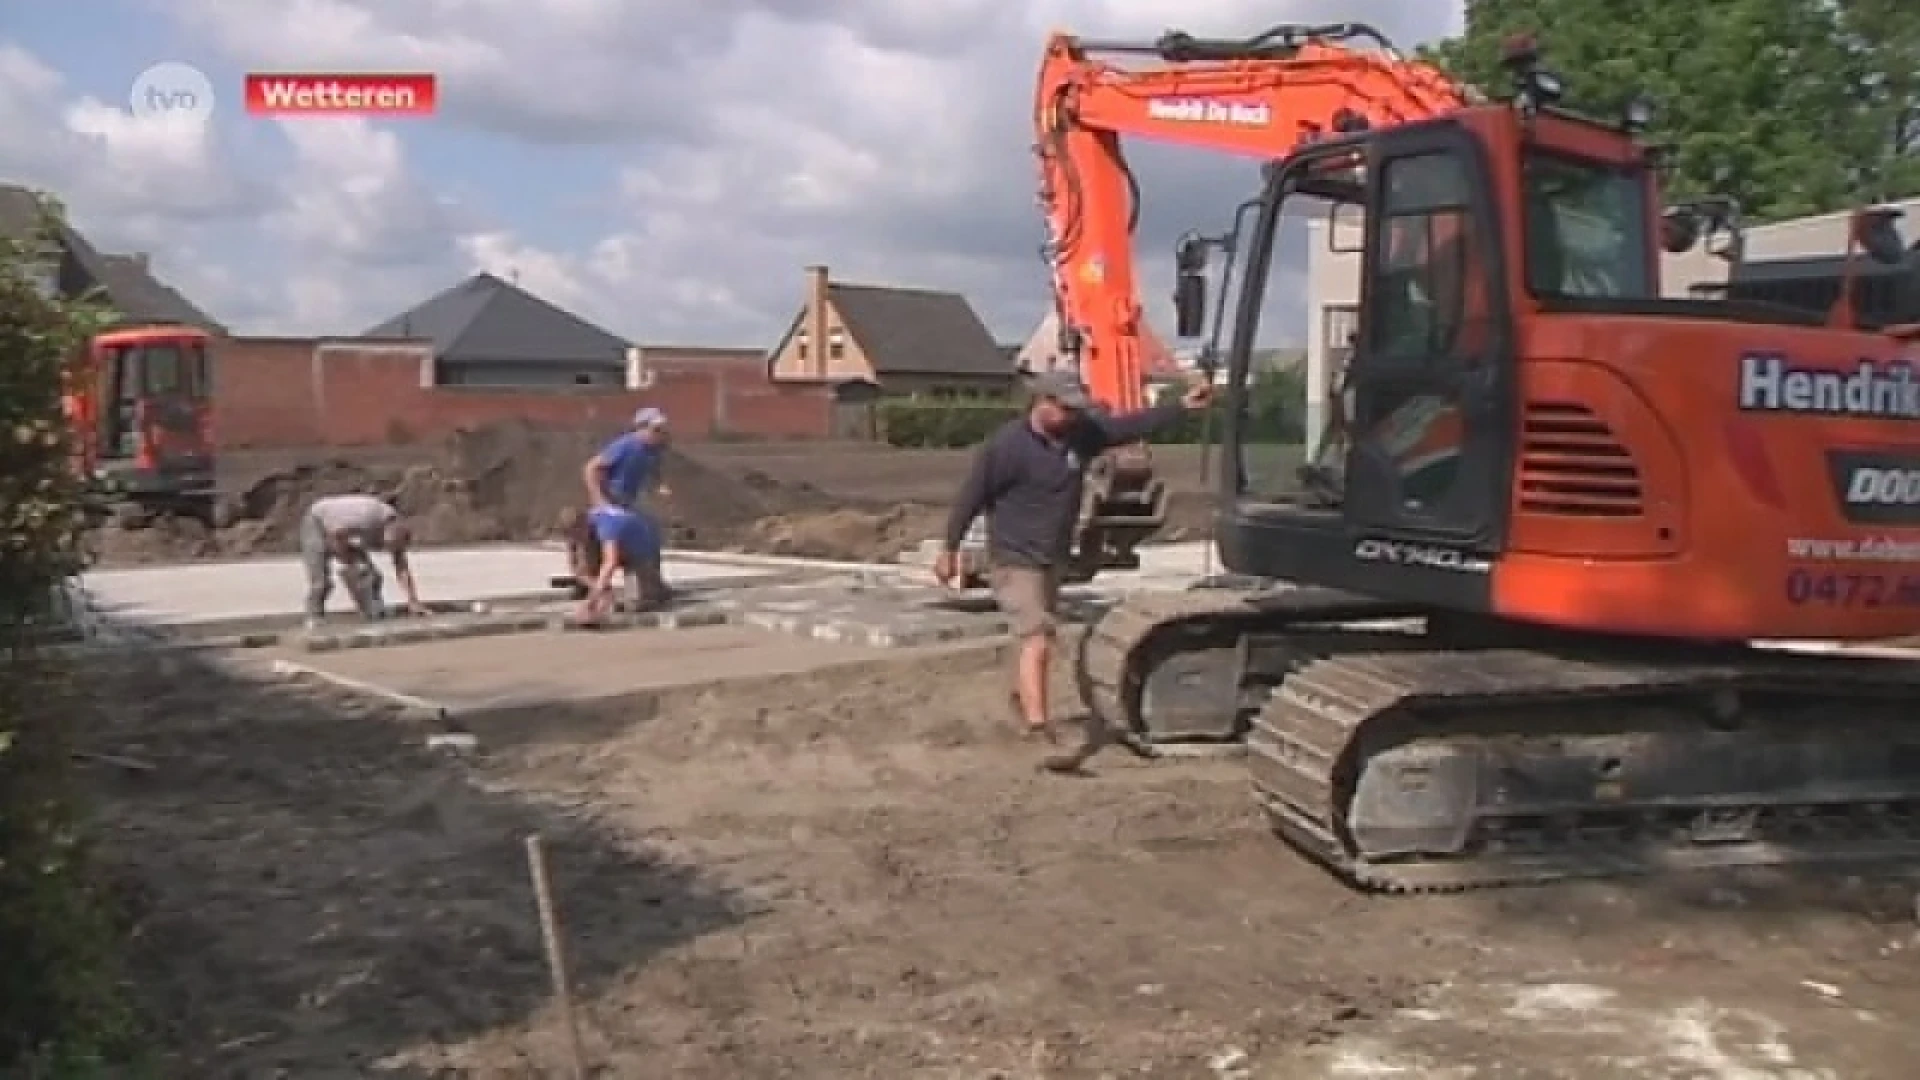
(665, 168)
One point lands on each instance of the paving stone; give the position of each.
(679, 618)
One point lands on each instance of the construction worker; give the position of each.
(622, 475)
(1028, 479)
(629, 541)
(628, 468)
(346, 529)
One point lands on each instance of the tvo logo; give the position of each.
(1870, 486)
(172, 92)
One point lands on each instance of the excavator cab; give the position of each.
(1468, 217)
(142, 411)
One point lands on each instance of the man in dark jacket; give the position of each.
(1028, 478)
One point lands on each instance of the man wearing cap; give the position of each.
(1028, 479)
(629, 467)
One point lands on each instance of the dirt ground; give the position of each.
(509, 482)
(855, 874)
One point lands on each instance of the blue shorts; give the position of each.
(633, 533)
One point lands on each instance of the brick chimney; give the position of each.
(817, 282)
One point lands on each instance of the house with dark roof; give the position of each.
(893, 340)
(490, 332)
(71, 267)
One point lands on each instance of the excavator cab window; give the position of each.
(1586, 229)
(1421, 259)
(1425, 449)
(158, 371)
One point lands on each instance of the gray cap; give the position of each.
(1062, 386)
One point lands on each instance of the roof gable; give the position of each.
(486, 319)
(130, 286)
(137, 294)
(916, 331)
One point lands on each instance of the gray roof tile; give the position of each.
(130, 286)
(484, 319)
(916, 331)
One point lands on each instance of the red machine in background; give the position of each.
(1264, 99)
(140, 407)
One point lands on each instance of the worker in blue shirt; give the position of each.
(629, 467)
(629, 542)
(623, 473)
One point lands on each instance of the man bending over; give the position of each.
(346, 529)
(628, 542)
(1028, 478)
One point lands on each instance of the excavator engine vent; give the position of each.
(1572, 465)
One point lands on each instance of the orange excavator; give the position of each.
(1548, 613)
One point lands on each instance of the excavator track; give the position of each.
(1407, 765)
(1125, 650)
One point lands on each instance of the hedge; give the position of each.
(1277, 401)
(62, 1014)
(921, 423)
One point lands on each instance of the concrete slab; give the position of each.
(186, 596)
(486, 675)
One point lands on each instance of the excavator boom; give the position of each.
(1261, 97)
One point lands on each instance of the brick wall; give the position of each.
(303, 392)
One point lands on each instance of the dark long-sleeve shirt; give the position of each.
(1029, 485)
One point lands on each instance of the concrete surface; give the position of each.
(254, 603)
(186, 595)
(502, 673)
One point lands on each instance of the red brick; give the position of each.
(304, 392)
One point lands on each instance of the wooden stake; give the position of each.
(556, 955)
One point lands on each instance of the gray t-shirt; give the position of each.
(358, 517)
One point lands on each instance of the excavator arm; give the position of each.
(1259, 97)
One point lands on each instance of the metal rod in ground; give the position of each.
(556, 955)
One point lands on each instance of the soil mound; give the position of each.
(506, 482)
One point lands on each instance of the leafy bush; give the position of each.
(61, 1012)
(937, 424)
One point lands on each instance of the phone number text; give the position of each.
(1852, 590)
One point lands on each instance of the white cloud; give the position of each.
(888, 140)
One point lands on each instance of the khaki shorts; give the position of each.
(1027, 597)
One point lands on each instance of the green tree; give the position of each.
(1790, 106)
(1882, 39)
(61, 1014)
